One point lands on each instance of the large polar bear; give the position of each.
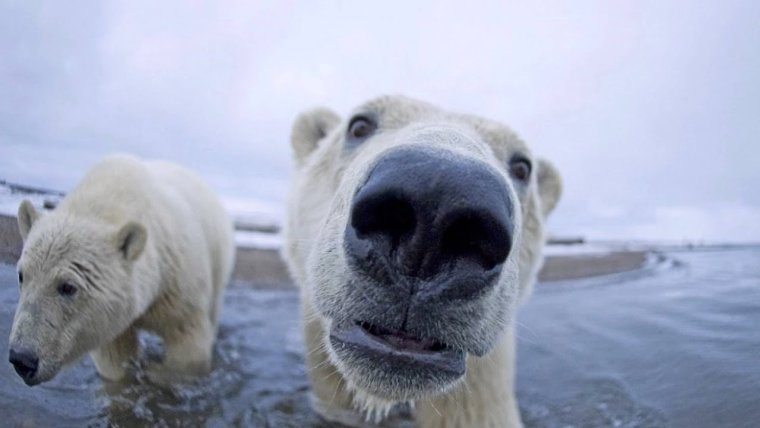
(413, 233)
(136, 245)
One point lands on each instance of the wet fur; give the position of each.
(148, 246)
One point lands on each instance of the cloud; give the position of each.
(644, 107)
(732, 223)
(677, 223)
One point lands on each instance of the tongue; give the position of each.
(408, 343)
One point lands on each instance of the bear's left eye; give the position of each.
(361, 127)
(520, 168)
(67, 289)
(20, 277)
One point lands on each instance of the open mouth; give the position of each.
(402, 340)
(398, 348)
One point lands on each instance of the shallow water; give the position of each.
(674, 347)
(667, 346)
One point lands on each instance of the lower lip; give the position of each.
(448, 361)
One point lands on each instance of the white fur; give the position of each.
(148, 246)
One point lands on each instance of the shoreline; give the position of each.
(262, 268)
(579, 266)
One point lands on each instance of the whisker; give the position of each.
(526, 327)
(335, 393)
(331, 374)
(434, 408)
(321, 347)
(322, 364)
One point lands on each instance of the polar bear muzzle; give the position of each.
(429, 231)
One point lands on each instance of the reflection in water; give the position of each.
(671, 347)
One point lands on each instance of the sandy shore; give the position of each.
(561, 268)
(263, 268)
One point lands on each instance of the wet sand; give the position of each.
(562, 268)
(263, 268)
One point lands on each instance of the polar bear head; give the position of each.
(413, 232)
(75, 281)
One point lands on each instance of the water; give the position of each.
(670, 347)
(679, 347)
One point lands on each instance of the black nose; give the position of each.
(25, 362)
(420, 214)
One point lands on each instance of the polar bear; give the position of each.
(136, 245)
(413, 233)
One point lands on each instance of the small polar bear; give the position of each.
(136, 245)
(413, 233)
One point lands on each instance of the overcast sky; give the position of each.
(650, 109)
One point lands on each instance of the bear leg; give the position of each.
(189, 351)
(111, 360)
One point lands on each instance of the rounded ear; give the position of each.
(549, 186)
(310, 127)
(131, 240)
(27, 215)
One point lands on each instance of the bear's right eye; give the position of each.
(361, 127)
(20, 277)
(67, 289)
(520, 168)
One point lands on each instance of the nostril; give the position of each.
(476, 236)
(385, 214)
(24, 362)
